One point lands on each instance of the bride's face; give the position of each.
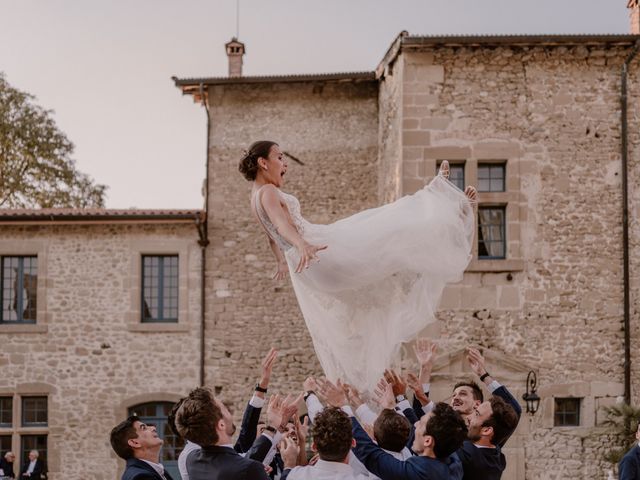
(275, 166)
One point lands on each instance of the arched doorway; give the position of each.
(155, 413)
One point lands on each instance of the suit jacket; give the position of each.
(37, 471)
(223, 463)
(629, 467)
(387, 467)
(481, 463)
(7, 468)
(139, 470)
(248, 429)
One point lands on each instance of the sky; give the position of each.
(104, 67)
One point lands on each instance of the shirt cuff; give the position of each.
(256, 402)
(428, 407)
(347, 409)
(426, 387)
(493, 386)
(403, 405)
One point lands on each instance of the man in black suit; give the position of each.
(139, 444)
(629, 467)
(206, 421)
(32, 468)
(6, 465)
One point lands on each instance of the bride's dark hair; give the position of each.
(248, 166)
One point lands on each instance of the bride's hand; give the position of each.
(471, 193)
(281, 271)
(307, 254)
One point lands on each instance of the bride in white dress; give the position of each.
(371, 281)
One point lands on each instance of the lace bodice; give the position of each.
(293, 205)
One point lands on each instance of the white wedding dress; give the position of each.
(380, 280)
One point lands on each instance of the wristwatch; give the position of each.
(271, 429)
(260, 389)
(400, 398)
(307, 394)
(484, 375)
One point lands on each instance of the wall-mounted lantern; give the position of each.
(530, 396)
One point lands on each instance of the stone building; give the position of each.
(536, 122)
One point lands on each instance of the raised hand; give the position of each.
(275, 412)
(308, 253)
(398, 385)
(353, 396)
(471, 193)
(425, 351)
(310, 385)
(384, 393)
(281, 271)
(476, 361)
(267, 367)
(289, 451)
(414, 384)
(334, 395)
(444, 169)
(302, 429)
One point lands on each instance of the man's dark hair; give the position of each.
(391, 430)
(197, 417)
(171, 418)
(120, 436)
(447, 428)
(332, 434)
(475, 389)
(503, 420)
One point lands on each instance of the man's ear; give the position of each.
(429, 441)
(133, 442)
(314, 449)
(487, 432)
(353, 443)
(221, 425)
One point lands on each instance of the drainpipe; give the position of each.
(203, 242)
(625, 221)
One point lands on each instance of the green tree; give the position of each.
(622, 420)
(36, 168)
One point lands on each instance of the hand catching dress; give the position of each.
(380, 280)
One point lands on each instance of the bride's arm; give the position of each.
(282, 268)
(271, 204)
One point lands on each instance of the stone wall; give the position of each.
(332, 128)
(555, 303)
(88, 351)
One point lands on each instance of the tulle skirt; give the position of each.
(380, 280)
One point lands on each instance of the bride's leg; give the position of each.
(444, 169)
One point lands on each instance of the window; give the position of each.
(567, 412)
(6, 412)
(5, 444)
(33, 442)
(155, 413)
(18, 284)
(491, 233)
(34, 411)
(160, 288)
(456, 173)
(491, 177)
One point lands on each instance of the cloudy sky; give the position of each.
(105, 67)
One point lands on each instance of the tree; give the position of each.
(622, 421)
(36, 168)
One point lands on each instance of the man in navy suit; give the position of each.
(629, 467)
(139, 444)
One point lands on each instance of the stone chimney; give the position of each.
(634, 15)
(235, 52)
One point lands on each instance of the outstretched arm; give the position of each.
(271, 204)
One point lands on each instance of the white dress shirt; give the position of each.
(324, 470)
(158, 467)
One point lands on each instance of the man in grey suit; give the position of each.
(206, 421)
(629, 467)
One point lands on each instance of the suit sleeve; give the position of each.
(411, 416)
(260, 448)
(248, 428)
(628, 468)
(417, 408)
(505, 394)
(377, 461)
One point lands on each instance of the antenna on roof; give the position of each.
(237, 18)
